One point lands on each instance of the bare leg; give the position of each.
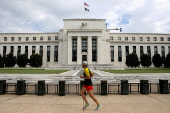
(92, 96)
(83, 90)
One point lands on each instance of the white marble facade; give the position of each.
(88, 29)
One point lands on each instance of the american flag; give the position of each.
(85, 4)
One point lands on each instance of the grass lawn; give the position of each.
(31, 71)
(156, 70)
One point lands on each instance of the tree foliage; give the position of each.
(132, 60)
(167, 61)
(145, 60)
(10, 60)
(35, 60)
(157, 60)
(22, 60)
(1, 61)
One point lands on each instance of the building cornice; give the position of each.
(29, 42)
(134, 42)
(84, 30)
(139, 34)
(26, 33)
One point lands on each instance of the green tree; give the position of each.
(1, 61)
(35, 60)
(167, 61)
(22, 60)
(145, 60)
(10, 60)
(157, 60)
(132, 60)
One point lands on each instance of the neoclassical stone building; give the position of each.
(84, 39)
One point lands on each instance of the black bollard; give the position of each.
(103, 87)
(144, 87)
(124, 87)
(41, 87)
(2, 87)
(62, 88)
(21, 87)
(163, 85)
(81, 85)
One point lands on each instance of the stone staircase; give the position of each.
(78, 67)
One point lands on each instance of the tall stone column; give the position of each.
(29, 51)
(123, 54)
(138, 51)
(69, 49)
(52, 54)
(60, 52)
(37, 49)
(89, 57)
(22, 49)
(44, 55)
(79, 46)
(145, 49)
(130, 49)
(8, 49)
(15, 50)
(1, 50)
(166, 50)
(99, 49)
(159, 50)
(115, 54)
(152, 51)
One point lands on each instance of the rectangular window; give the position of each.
(19, 51)
(41, 51)
(33, 50)
(56, 54)
(48, 53)
(169, 49)
(74, 49)
(4, 51)
(155, 50)
(112, 53)
(168, 38)
(94, 49)
(12, 49)
(41, 38)
(141, 38)
(134, 49)
(84, 45)
(49, 37)
(149, 50)
(56, 37)
(154, 39)
(162, 38)
(126, 38)
(148, 38)
(34, 38)
(26, 50)
(141, 50)
(119, 53)
(119, 38)
(5, 38)
(127, 51)
(133, 38)
(111, 38)
(12, 38)
(27, 38)
(163, 52)
(19, 38)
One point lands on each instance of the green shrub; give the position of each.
(10, 60)
(22, 60)
(35, 60)
(157, 60)
(132, 60)
(145, 60)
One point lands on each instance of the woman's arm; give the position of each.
(92, 75)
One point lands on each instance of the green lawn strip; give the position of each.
(139, 71)
(31, 71)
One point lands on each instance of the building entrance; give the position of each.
(84, 58)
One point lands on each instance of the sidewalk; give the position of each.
(115, 103)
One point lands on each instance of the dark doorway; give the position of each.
(84, 58)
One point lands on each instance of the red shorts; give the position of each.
(88, 87)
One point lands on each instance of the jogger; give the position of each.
(88, 86)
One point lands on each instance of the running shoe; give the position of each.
(98, 107)
(87, 104)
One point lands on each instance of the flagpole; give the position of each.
(84, 11)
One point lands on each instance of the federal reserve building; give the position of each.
(84, 40)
